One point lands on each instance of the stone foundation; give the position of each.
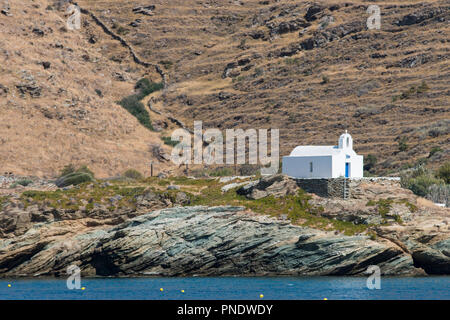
(339, 187)
(328, 188)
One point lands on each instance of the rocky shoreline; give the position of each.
(208, 241)
(211, 228)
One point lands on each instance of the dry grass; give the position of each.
(189, 34)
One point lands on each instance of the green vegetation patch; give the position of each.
(133, 174)
(74, 178)
(420, 179)
(168, 141)
(296, 208)
(133, 102)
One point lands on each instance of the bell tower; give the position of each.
(346, 141)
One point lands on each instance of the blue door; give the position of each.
(347, 169)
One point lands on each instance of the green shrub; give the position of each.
(419, 181)
(74, 178)
(133, 102)
(24, 182)
(70, 168)
(133, 174)
(146, 87)
(384, 206)
(370, 162)
(444, 172)
(169, 141)
(134, 106)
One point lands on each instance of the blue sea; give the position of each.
(227, 288)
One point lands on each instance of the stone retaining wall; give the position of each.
(334, 187)
(330, 188)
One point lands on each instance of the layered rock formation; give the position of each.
(187, 241)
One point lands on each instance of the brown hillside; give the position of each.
(66, 113)
(232, 64)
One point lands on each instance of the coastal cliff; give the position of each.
(188, 241)
(204, 227)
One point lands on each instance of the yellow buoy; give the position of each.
(325, 299)
(161, 289)
(182, 291)
(261, 296)
(9, 286)
(83, 288)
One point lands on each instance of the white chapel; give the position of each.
(325, 161)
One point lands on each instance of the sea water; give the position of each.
(227, 288)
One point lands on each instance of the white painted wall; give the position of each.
(357, 167)
(338, 166)
(298, 167)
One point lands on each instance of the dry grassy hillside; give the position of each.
(311, 69)
(58, 96)
(270, 64)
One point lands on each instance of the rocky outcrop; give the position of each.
(313, 11)
(16, 219)
(187, 241)
(421, 16)
(286, 26)
(276, 185)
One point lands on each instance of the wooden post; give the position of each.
(151, 168)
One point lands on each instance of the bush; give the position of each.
(369, 162)
(133, 102)
(70, 168)
(444, 172)
(146, 87)
(25, 182)
(419, 181)
(74, 178)
(134, 106)
(169, 141)
(133, 174)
